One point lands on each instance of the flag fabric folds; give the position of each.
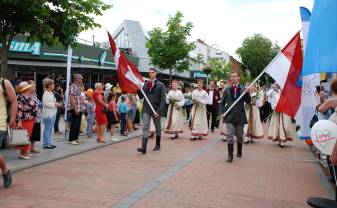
(321, 49)
(309, 82)
(129, 81)
(286, 71)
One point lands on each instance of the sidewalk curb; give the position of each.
(38, 163)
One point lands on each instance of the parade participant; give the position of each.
(253, 130)
(155, 92)
(175, 117)
(75, 108)
(236, 118)
(281, 127)
(7, 113)
(213, 104)
(199, 127)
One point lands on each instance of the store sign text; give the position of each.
(24, 47)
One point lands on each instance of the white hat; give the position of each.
(97, 85)
(108, 86)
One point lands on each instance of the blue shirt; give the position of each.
(123, 107)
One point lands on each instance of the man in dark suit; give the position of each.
(213, 104)
(236, 118)
(155, 92)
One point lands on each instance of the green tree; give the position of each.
(49, 21)
(170, 49)
(256, 53)
(220, 69)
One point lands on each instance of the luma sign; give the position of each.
(24, 47)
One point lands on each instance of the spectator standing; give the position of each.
(123, 110)
(49, 112)
(36, 134)
(113, 118)
(91, 116)
(26, 114)
(100, 110)
(58, 94)
(75, 108)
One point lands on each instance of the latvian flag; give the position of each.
(128, 82)
(286, 71)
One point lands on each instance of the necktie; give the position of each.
(235, 89)
(149, 85)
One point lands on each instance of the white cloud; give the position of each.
(222, 22)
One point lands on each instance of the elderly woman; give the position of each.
(49, 113)
(100, 110)
(36, 134)
(26, 114)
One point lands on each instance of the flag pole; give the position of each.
(141, 89)
(255, 80)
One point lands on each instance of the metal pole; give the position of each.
(257, 78)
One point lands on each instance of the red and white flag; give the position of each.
(128, 82)
(286, 71)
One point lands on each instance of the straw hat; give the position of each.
(24, 86)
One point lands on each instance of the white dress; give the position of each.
(175, 118)
(281, 128)
(199, 116)
(254, 127)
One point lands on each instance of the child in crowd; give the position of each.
(123, 110)
(112, 115)
(90, 108)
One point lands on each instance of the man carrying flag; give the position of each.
(130, 80)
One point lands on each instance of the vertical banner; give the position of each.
(309, 83)
(69, 58)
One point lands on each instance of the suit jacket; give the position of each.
(156, 96)
(237, 115)
(215, 105)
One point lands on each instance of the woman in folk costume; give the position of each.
(281, 128)
(253, 130)
(175, 117)
(199, 125)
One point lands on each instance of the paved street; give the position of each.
(183, 173)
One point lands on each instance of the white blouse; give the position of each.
(49, 109)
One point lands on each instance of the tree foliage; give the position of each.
(220, 69)
(49, 21)
(170, 49)
(256, 52)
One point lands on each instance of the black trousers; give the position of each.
(75, 125)
(214, 114)
(188, 111)
(56, 124)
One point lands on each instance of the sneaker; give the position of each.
(24, 157)
(114, 139)
(74, 143)
(7, 179)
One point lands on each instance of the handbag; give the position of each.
(104, 109)
(18, 137)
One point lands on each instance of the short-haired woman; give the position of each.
(49, 111)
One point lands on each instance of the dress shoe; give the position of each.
(141, 150)
(193, 138)
(7, 179)
(156, 148)
(48, 147)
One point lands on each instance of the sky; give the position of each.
(225, 23)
